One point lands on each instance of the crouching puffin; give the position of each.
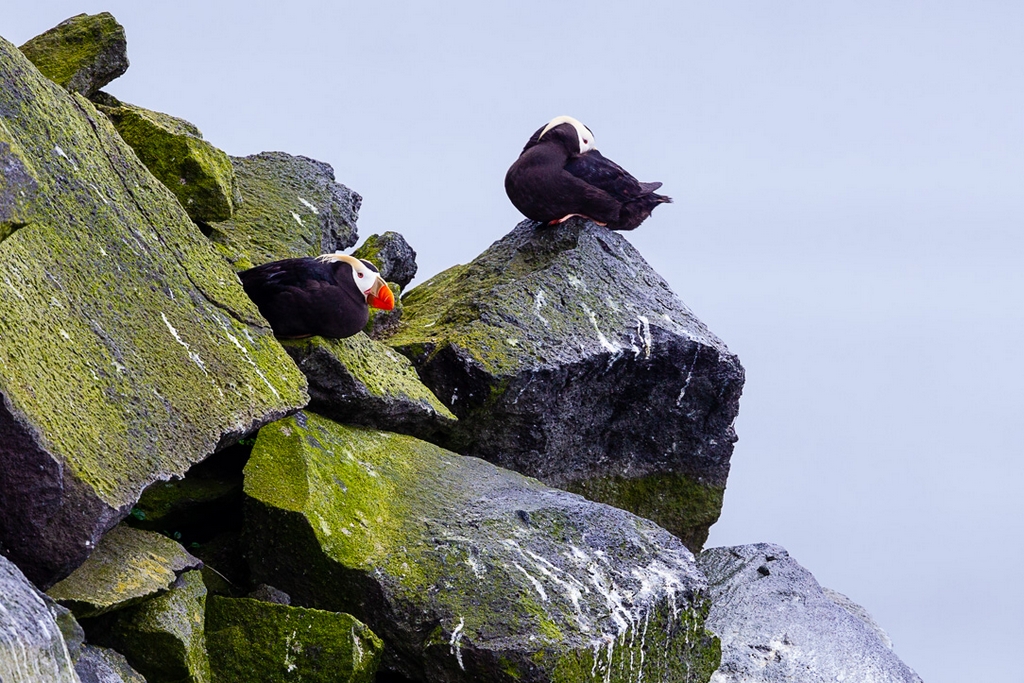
(560, 174)
(329, 295)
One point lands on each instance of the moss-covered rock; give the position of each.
(129, 349)
(466, 571)
(361, 381)
(164, 637)
(566, 357)
(103, 665)
(199, 174)
(289, 206)
(32, 649)
(249, 640)
(392, 255)
(82, 53)
(18, 185)
(128, 566)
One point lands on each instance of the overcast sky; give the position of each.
(849, 185)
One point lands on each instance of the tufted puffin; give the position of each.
(560, 174)
(329, 295)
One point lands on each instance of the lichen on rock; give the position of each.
(361, 381)
(82, 53)
(129, 349)
(566, 357)
(289, 206)
(128, 566)
(392, 255)
(466, 571)
(250, 640)
(200, 175)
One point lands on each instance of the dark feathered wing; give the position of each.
(637, 199)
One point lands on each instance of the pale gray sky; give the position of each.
(848, 218)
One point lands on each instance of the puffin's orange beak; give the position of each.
(381, 297)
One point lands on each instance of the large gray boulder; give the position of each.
(82, 53)
(32, 649)
(778, 625)
(466, 571)
(567, 358)
(103, 665)
(288, 206)
(129, 350)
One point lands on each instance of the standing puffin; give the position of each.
(328, 295)
(560, 174)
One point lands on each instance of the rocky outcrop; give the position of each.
(567, 358)
(103, 665)
(129, 349)
(249, 640)
(162, 638)
(128, 566)
(777, 624)
(288, 206)
(82, 53)
(392, 255)
(466, 571)
(31, 647)
(197, 173)
(364, 382)
(18, 186)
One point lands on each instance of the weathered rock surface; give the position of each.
(200, 175)
(70, 629)
(466, 571)
(567, 358)
(392, 255)
(18, 186)
(777, 624)
(32, 649)
(362, 381)
(129, 349)
(289, 206)
(82, 53)
(128, 566)
(103, 665)
(162, 638)
(249, 640)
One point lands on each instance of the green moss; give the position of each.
(127, 566)
(128, 345)
(249, 640)
(164, 638)
(73, 46)
(199, 174)
(674, 501)
(18, 185)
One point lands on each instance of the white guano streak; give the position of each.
(191, 354)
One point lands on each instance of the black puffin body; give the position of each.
(560, 174)
(328, 295)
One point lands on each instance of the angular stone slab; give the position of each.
(777, 624)
(103, 665)
(128, 566)
(466, 571)
(129, 349)
(289, 206)
(199, 174)
(32, 649)
(250, 640)
(392, 255)
(567, 358)
(364, 382)
(164, 638)
(18, 186)
(82, 53)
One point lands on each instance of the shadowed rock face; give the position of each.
(82, 53)
(778, 625)
(102, 665)
(288, 206)
(567, 358)
(129, 350)
(469, 572)
(392, 255)
(31, 646)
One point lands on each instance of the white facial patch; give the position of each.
(586, 138)
(364, 278)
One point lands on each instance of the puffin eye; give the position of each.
(360, 274)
